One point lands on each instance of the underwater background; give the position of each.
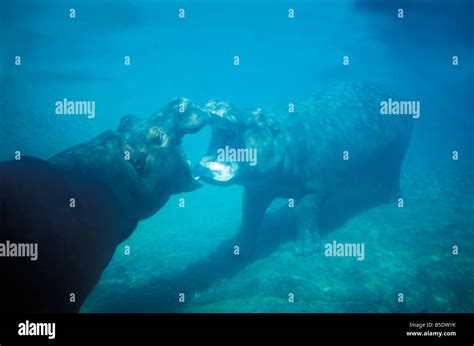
(408, 250)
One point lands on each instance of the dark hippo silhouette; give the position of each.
(300, 155)
(115, 179)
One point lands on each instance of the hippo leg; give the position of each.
(309, 238)
(254, 205)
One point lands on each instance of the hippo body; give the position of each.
(74, 244)
(334, 155)
(115, 180)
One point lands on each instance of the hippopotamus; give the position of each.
(329, 155)
(80, 204)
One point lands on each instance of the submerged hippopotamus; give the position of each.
(333, 155)
(80, 204)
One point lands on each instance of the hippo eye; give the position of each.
(157, 136)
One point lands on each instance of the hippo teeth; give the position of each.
(220, 172)
(157, 135)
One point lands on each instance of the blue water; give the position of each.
(281, 60)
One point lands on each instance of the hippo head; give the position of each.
(242, 149)
(156, 156)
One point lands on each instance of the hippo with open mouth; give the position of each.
(333, 154)
(80, 204)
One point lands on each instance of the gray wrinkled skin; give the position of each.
(156, 168)
(111, 195)
(300, 156)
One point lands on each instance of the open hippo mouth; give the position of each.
(147, 165)
(216, 172)
(155, 146)
(215, 167)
